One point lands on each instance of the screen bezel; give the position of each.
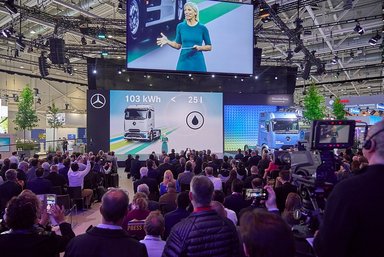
(189, 72)
(316, 132)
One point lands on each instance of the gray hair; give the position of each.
(202, 190)
(194, 7)
(23, 166)
(143, 188)
(143, 171)
(11, 175)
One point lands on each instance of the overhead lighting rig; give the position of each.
(10, 6)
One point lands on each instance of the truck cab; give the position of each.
(139, 123)
(278, 130)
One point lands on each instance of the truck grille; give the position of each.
(134, 130)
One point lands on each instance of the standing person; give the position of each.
(164, 144)
(355, 207)
(203, 232)
(128, 163)
(108, 238)
(65, 145)
(154, 229)
(190, 35)
(76, 179)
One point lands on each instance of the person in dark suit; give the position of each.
(354, 210)
(40, 185)
(26, 236)
(151, 183)
(108, 238)
(236, 201)
(9, 189)
(254, 159)
(135, 167)
(165, 166)
(174, 217)
(168, 200)
(283, 190)
(55, 178)
(254, 174)
(64, 171)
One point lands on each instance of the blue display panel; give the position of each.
(5, 144)
(226, 26)
(146, 121)
(241, 125)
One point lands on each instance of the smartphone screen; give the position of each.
(51, 200)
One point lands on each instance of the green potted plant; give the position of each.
(54, 121)
(314, 104)
(338, 109)
(26, 118)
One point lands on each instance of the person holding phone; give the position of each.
(27, 235)
(190, 35)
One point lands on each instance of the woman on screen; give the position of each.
(190, 35)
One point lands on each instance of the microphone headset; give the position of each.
(368, 142)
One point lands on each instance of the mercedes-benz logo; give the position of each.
(98, 101)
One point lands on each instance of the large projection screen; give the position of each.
(226, 26)
(187, 119)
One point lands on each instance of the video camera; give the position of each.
(313, 172)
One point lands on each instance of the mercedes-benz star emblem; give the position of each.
(98, 101)
(195, 120)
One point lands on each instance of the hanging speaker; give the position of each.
(57, 54)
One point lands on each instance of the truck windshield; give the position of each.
(285, 126)
(134, 114)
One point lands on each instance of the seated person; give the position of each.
(154, 229)
(26, 237)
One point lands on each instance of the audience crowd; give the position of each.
(184, 204)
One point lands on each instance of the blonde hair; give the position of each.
(140, 200)
(194, 7)
(168, 177)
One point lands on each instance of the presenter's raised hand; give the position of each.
(163, 40)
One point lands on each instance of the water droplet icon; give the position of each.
(195, 121)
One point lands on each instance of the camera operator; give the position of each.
(355, 207)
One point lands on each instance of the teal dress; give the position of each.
(164, 145)
(190, 59)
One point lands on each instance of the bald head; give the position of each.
(114, 206)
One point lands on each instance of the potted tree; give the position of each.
(314, 104)
(54, 120)
(26, 119)
(338, 109)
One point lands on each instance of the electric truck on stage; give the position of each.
(139, 123)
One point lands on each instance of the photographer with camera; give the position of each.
(355, 207)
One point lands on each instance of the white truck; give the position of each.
(139, 123)
(143, 14)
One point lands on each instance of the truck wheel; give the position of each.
(136, 20)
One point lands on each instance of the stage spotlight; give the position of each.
(335, 60)
(120, 6)
(352, 55)
(8, 32)
(102, 33)
(299, 27)
(93, 42)
(10, 6)
(358, 29)
(83, 41)
(374, 39)
(104, 53)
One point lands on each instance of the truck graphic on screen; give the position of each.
(143, 14)
(139, 123)
(278, 130)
